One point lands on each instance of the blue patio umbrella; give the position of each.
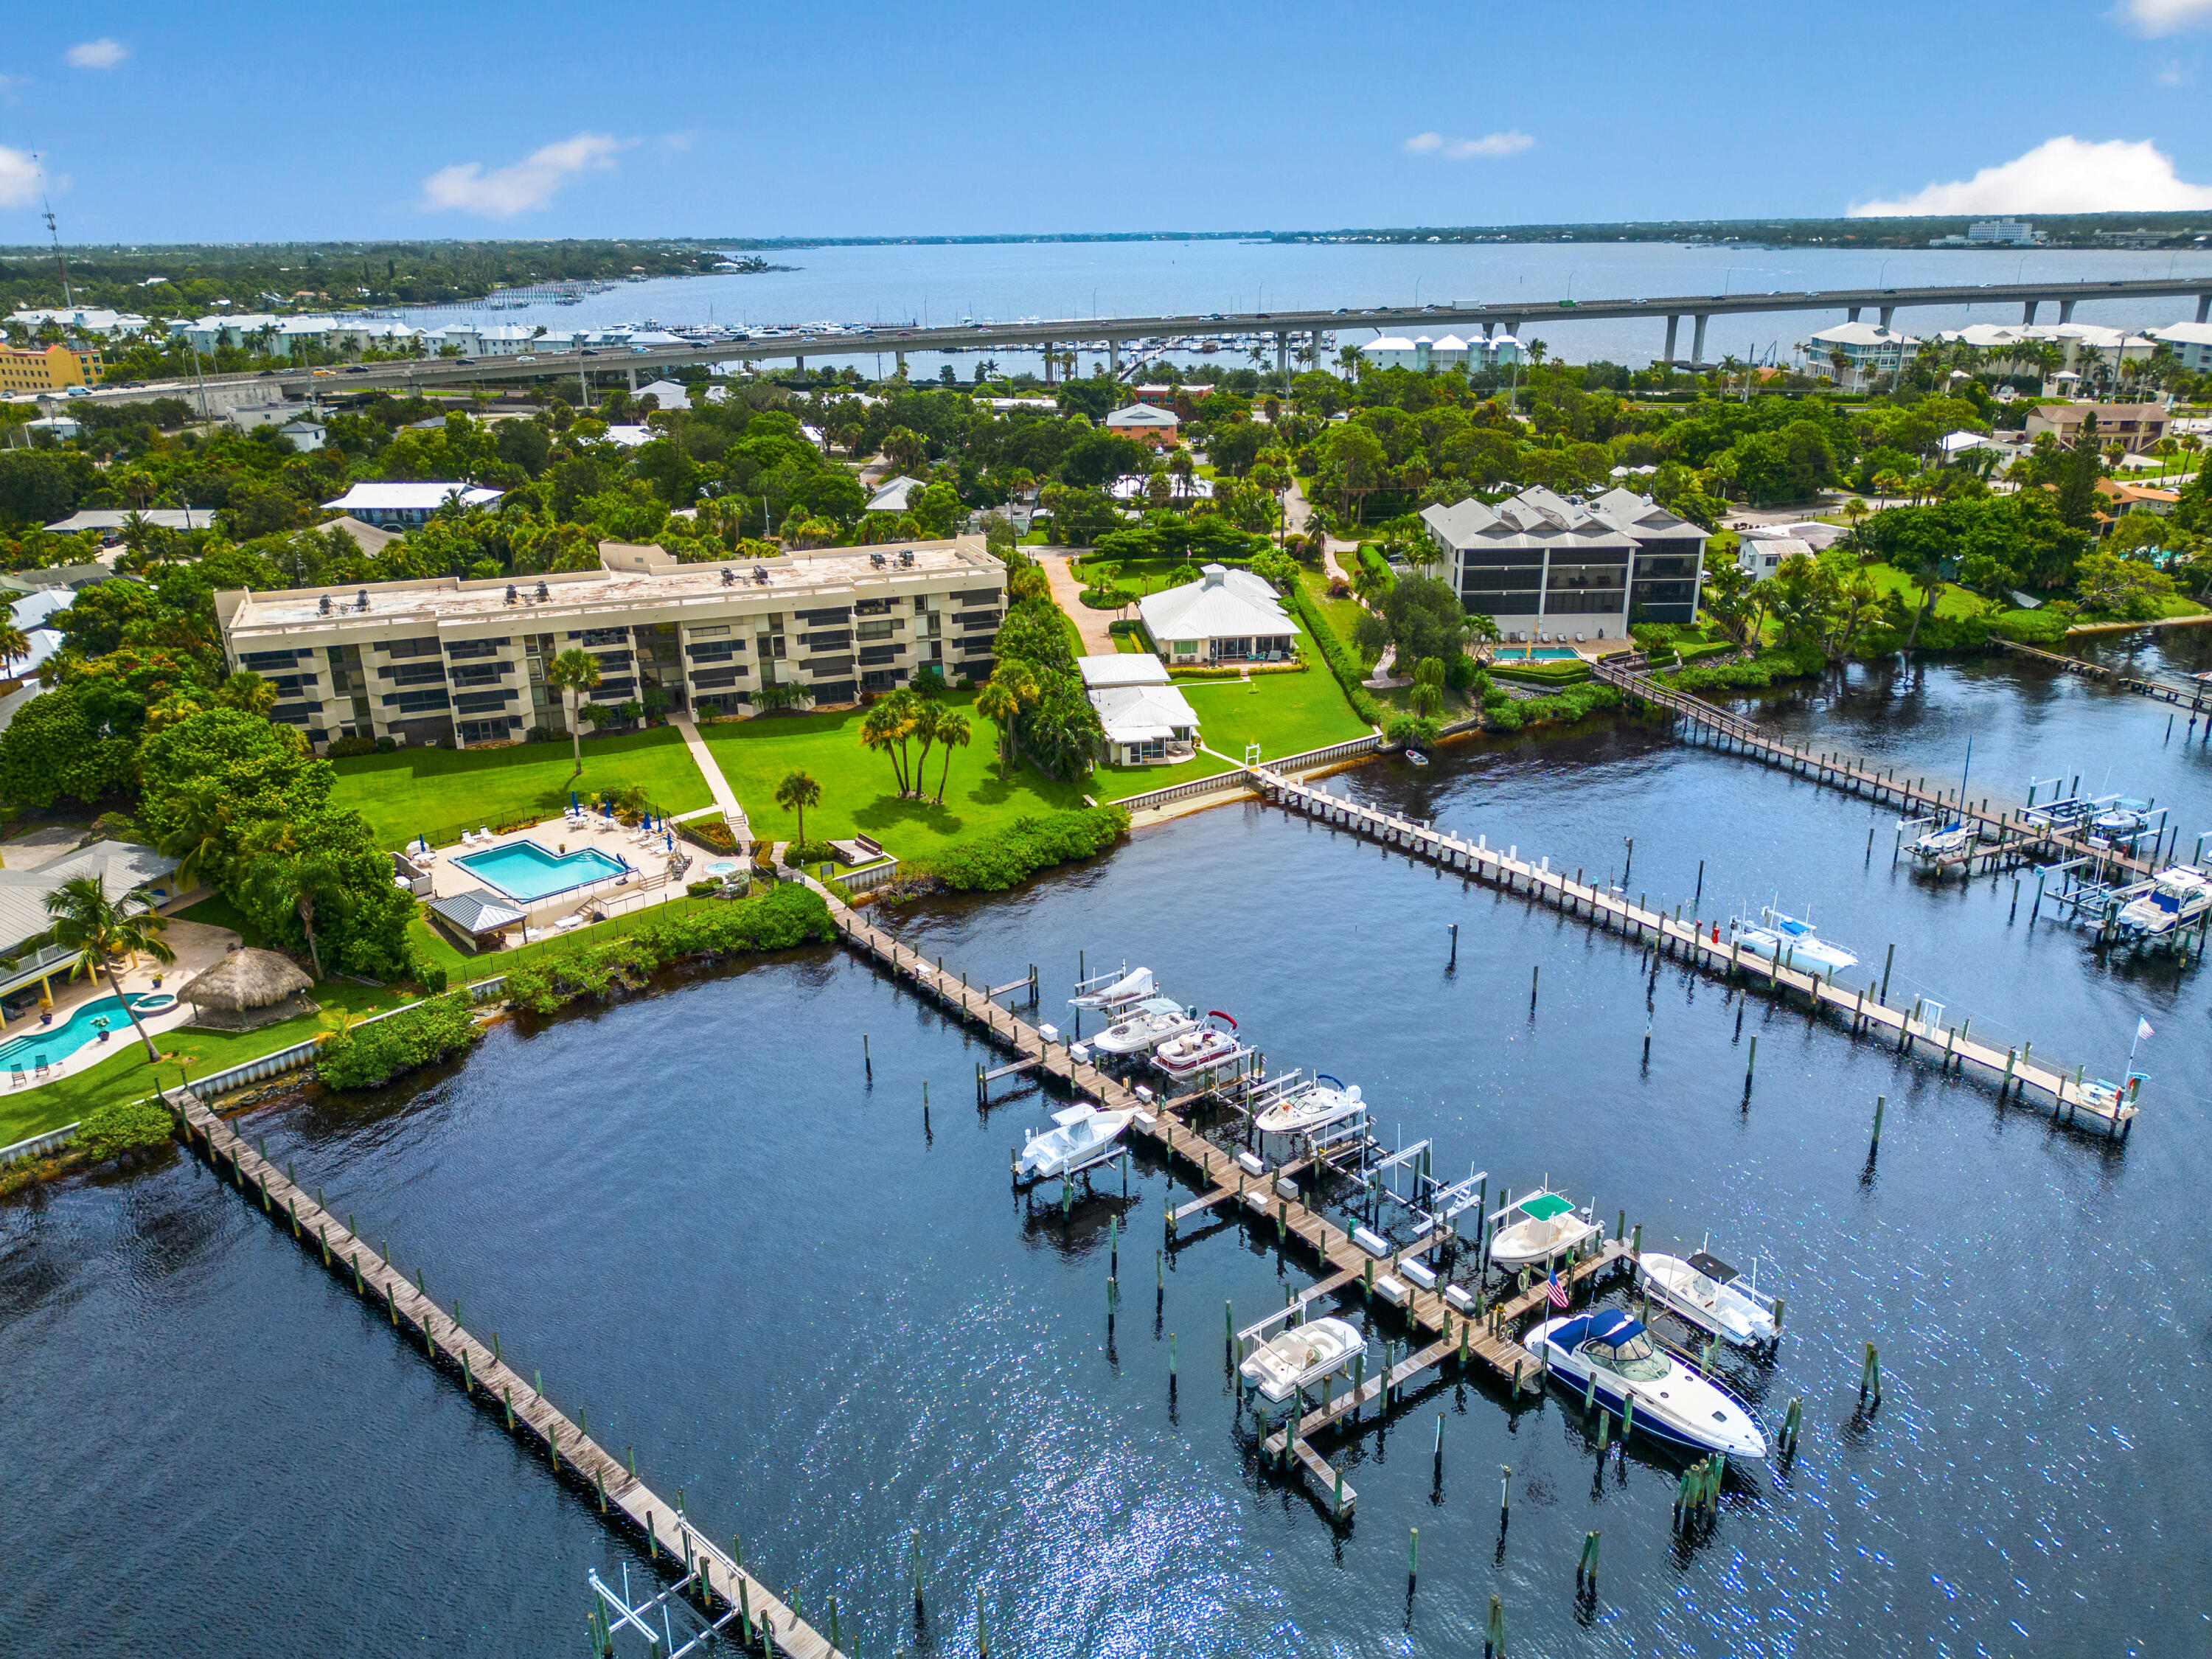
(573, 802)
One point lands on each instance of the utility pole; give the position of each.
(68, 298)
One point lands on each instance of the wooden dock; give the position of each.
(2193, 696)
(1696, 942)
(2008, 837)
(494, 1384)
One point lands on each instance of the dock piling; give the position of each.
(1880, 1101)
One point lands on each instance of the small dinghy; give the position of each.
(1299, 1358)
(1195, 1050)
(1417, 757)
(1614, 1357)
(1709, 1294)
(1549, 1227)
(1083, 1135)
(1144, 1027)
(1321, 1102)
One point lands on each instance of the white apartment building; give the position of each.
(1562, 567)
(84, 319)
(2190, 343)
(1871, 353)
(1420, 352)
(457, 662)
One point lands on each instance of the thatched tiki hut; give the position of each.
(247, 990)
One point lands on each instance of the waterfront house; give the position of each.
(1559, 567)
(1147, 721)
(1225, 616)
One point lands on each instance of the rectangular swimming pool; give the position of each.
(523, 870)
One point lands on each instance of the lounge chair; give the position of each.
(572, 921)
(483, 832)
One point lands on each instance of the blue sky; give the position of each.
(251, 121)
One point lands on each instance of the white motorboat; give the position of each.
(1144, 1027)
(1609, 1353)
(1112, 992)
(1800, 946)
(2178, 896)
(1710, 1295)
(1940, 846)
(1549, 1227)
(1082, 1136)
(2120, 824)
(1195, 1050)
(1320, 1104)
(1299, 1358)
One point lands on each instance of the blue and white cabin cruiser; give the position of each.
(2177, 897)
(1612, 1355)
(1706, 1293)
(1142, 1029)
(1801, 947)
(1550, 1227)
(1082, 1138)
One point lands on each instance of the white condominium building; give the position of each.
(458, 662)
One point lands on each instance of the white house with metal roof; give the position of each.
(1147, 720)
(398, 506)
(1225, 616)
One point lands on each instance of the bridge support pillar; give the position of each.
(1048, 362)
(631, 370)
(1698, 338)
(800, 363)
(2204, 308)
(1113, 358)
(1282, 353)
(2065, 311)
(1852, 314)
(1672, 323)
(2027, 314)
(899, 357)
(1887, 311)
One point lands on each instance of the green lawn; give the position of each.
(439, 792)
(1341, 615)
(1283, 713)
(857, 792)
(1955, 600)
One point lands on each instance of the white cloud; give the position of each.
(2167, 16)
(2172, 75)
(1467, 150)
(20, 178)
(2061, 175)
(530, 183)
(679, 141)
(100, 54)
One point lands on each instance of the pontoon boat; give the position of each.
(1321, 1102)
(1083, 1135)
(1195, 1050)
(1300, 1357)
(1711, 1294)
(1550, 1227)
(1144, 1027)
(1674, 1403)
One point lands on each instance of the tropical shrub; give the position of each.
(361, 1056)
(993, 863)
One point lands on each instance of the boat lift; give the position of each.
(670, 1626)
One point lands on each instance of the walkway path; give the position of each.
(1057, 563)
(724, 797)
(1297, 512)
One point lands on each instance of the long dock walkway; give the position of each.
(2194, 695)
(1697, 941)
(486, 1376)
(2010, 837)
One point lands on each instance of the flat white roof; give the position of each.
(400, 497)
(1122, 668)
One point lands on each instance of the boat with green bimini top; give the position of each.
(1548, 1228)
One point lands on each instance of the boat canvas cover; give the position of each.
(1545, 1206)
(1712, 1267)
(1608, 1325)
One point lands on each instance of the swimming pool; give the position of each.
(523, 870)
(55, 1043)
(1535, 654)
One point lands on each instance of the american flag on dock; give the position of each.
(1556, 1293)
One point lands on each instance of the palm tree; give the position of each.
(203, 831)
(796, 793)
(280, 874)
(572, 674)
(14, 643)
(248, 692)
(924, 721)
(879, 732)
(1370, 584)
(998, 703)
(1480, 630)
(952, 733)
(103, 931)
(1428, 686)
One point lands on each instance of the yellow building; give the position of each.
(52, 369)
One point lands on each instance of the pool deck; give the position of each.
(198, 947)
(557, 835)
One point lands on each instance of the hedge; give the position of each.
(375, 1052)
(119, 1126)
(1558, 673)
(992, 863)
(1340, 663)
(2045, 628)
(792, 914)
(1783, 663)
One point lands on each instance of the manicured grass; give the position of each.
(857, 791)
(127, 1074)
(1283, 713)
(438, 793)
(460, 967)
(1955, 601)
(1341, 615)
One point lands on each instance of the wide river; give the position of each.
(823, 1317)
(1008, 281)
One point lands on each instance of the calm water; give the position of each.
(832, 1326)
(1009, 281)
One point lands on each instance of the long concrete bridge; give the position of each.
(1282, 327)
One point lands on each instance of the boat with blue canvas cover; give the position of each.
(1799, 945)
(1610, 1354)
